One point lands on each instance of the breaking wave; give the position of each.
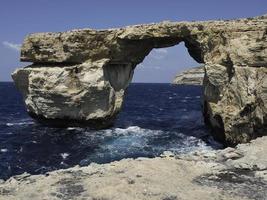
(20, 123)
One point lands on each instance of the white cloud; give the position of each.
(159, 53)
(148, 67)
(12, 46)
(154, 60)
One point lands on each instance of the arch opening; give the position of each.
(162, 64)
(164, 116)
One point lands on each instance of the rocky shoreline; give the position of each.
(231, 173)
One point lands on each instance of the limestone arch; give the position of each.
(234, 53)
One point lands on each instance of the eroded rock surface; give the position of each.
(193, 76)
(232, 173)
(79, 76)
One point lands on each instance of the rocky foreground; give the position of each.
(232, 173)
(193, 76)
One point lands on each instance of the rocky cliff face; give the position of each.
(192, 76)
(79, 76)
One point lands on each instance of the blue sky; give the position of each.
(21, 17)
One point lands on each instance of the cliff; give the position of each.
(79, 77)
(192, 76)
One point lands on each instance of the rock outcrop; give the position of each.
(193, 76)
(232, 173)
(79, 76)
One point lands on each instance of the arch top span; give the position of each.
(90, 69)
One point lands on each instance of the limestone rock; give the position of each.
(80, 76)
(87, 94)
(192, 76)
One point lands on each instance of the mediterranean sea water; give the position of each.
(155, 118)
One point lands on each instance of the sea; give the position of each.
(156, 117)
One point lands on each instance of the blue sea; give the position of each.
(155, 118)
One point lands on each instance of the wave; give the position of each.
(19, 123)
(175, 140)
(3, 150)
(134, 141)
(75, 129)
(64, 155)
(134, 130)
(7, 133)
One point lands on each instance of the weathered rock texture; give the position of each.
(80, 76)
(229, 174)
(193, 76)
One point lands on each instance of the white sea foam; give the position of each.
(189, 144)
(3, 150)
(9, 124)
(20, 149)
(136, 130)
(19, 123)
(136, 141)
(8, 133)
(64, 155)
(74, 128)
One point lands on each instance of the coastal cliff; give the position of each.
(79, 77)
(193, 76)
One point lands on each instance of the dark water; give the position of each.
(155, 118)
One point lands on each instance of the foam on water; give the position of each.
(135, 141)
(20, 123)
(64, 155)
(3, 150)
(8, 133)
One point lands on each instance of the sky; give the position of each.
(21, 17)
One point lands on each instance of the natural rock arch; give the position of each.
(79, 77)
